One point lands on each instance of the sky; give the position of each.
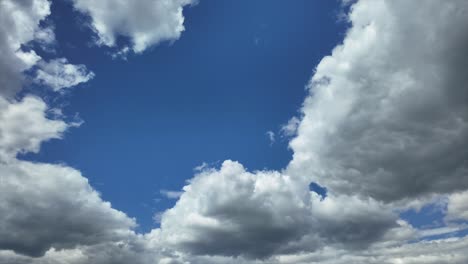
(238, 80)
(216, 131)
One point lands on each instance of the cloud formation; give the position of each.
(45, 208)
(145, 23)
(457, 206)
(58, 74)
(30, 113)
(232, 212)
(19, 21)
(45, 205)
(387, 114)
(385, 121)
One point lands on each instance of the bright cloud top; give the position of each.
(146, 23)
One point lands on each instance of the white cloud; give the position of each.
(457, 207)
(171, 194)
(444, 251)
(45, 205)
(48, 213)
(290, 128)
(231, 212)
(201, 167)
(387, 115)
(146, 22)
(58, 74)
(25, 126)
(19, 22)
(385, 121)
(19, 25)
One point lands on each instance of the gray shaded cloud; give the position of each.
(19, 20)
(44, 206)
(232, 212)
(386, 120)
(445, 251)
(387, 115)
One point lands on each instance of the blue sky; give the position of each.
(226, 132)
(207, 97)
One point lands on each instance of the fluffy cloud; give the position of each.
(44, 206)
(58, 74)
(146, 23)
(19, 21)
(457, 207)
(19, 25)
(30, 113)
(387, 114)
(46, 210)
(290, 128)
(231, 212)
(385, 121)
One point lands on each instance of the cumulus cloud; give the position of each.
(19, 25)
(146, 23)
(387, 114)
(30, 113)
(47, 206)
(44, 206)
(48, 212)
(457, 206)
(19, 22)
(231, 212)
(385, 122)
(58, 74)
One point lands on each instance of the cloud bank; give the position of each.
(384, 126)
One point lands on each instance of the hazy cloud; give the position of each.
(171, 194)
(58, 74)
